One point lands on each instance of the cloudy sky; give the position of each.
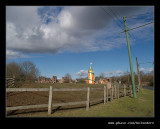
(65, 39)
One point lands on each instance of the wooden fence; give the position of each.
(115, 92)
(10, 82)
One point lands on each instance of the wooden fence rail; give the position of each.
(10, 82)
(109, 94)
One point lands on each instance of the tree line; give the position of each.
(24, 71)
(28, 72)
(146, 78)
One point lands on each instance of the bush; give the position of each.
(150, 83)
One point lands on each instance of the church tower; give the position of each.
(91, 79)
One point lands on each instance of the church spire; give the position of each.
(91, 79)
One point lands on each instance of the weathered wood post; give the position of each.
(107, 94)
(104, 94)
(118, 91)
(88, 94)
(124, 90)
(137, 88)
(112, 91)
(115, 93)
(50, 100)
(13, 80)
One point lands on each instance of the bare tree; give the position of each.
(29, 70)
(14, 69)
(68, 78)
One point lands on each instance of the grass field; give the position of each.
(142, 106)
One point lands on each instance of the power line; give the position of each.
(111, 16)
(116, 15)
(138, 14)
(146, 62)
(138, 27)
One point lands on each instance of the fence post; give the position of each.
(118, 91)
(124, 90)
(107, 94)
(50, 100)
(88, 94)
(138, 88)
(112, 91)
(131, 89)
(13, 80)
(104, 94)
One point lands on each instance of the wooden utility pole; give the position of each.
(130, 58)
(129, 52)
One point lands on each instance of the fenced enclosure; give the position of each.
(106, 95)
(10, 82)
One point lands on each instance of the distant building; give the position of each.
(42, 79)
(101, 81)
(54, 79)
(62, 80)
(104, 81)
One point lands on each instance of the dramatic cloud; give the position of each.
(38, 29)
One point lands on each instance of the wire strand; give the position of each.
(138, 14)
(111, 16)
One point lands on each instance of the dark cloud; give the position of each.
(58, 29)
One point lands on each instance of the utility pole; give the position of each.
(139, 80)
(130, 59)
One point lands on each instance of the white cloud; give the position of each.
(82, 73)
(141, 69)
(74, 28)
(113, 72)
(146, 70)
(13, 54)
(65, 19)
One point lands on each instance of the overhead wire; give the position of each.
(146, 62)
(107, 12)
(132, 37)
(120, 22)
(131, 16)
(115, 16)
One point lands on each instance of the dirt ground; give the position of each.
(35, 98)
